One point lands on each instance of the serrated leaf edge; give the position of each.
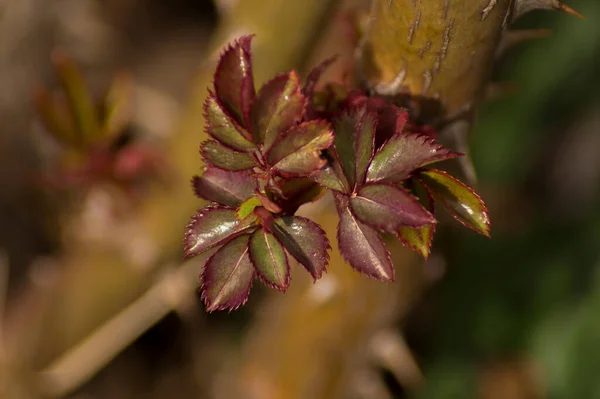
(488, 223)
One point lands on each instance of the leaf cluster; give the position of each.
(282, 146)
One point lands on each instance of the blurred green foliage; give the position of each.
(532, 291)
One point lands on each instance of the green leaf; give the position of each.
(402, 154)
(56, 118)
(360, 245)
(247, 207)
(419, 239)
(354, 142)
(305, 241)
(332, 175)
(221, 126)
(279, 105)
(223, 157)
(234, 84)
(224, 187)
(298, 151)
(227, 276)
(389, 208)
(117, 106)
(79, 97)
(269, 260)
(461, 201)
(212, 226)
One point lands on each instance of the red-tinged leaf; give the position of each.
(305, 241)
(227, 276)
(354, 142)
(315, 74)
(388, 208)
(279, 105)
(212, 226)
(402, 154)
(298, 151)
(361, 246)
(311, 82)
(419, 239)
(221, 126)
(267, 203)
(224, 187)
(234, 84)
(298, 192)
(332, 175)
(79, 98)
(223, 157)
(462, 202)
(270, 260)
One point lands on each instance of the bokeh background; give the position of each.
(95, 307)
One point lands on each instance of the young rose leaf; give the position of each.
(269, 260)
(279, 105)
(79, 97)
(247, 207)
(223, 157)
(224, 187)
(298, 192)
(234, 85)
(462, 202)
(419, 239)
(221, 126)
(388, 208)
(210, 227)
(361, 246)
(227, 276)
(267, 203)
(354, 142)
(117, 106)
(311, 82)
(56, 118)
(298, 151)
(305, 241)
(332, 175)
(402, 154)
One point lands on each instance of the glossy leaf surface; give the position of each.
(223, 157)
(227, 276)
(361, 246)
(210, 227)
(270, 260)
(234, 84)
(224, 187)
(305, 241)
(419, 239)
(464, 204)
(221, 126)
(354, 141)
(298, 151)
(402, 154)
(279, 105)
(332, 175)
(389, 208)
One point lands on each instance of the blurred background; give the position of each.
(95, 303)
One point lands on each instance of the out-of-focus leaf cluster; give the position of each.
(93, 133)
